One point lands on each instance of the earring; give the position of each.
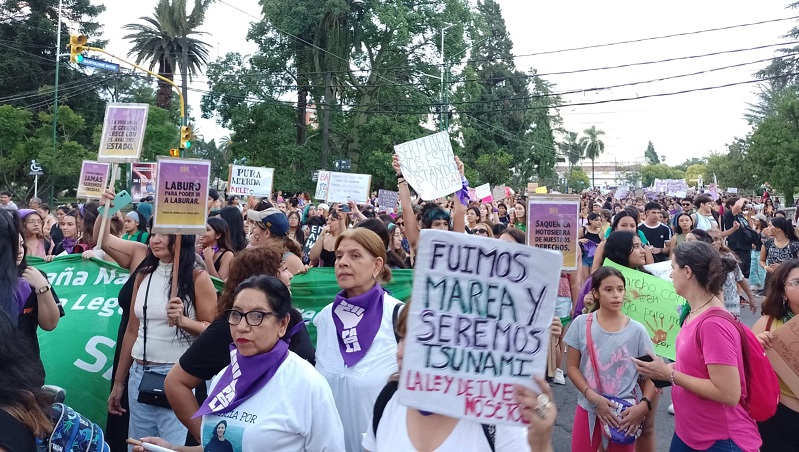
(374, 277)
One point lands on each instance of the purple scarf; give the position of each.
(69, 244)
(21, 293)
(357, 321)
(245, 376)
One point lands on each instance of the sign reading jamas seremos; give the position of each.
(478, 324)
(181, 198)
(250, 181)
(93, 179)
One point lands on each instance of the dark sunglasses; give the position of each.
(254, 318)
(481, 231)
(400, 223)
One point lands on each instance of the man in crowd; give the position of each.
(6, 202)
(655, 232)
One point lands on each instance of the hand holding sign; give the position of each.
(428, 164)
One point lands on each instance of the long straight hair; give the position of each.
(9, 250)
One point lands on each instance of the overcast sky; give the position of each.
(680, 126)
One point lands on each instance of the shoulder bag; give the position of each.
(151, 387)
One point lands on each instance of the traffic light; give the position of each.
(174, 152)
(185, 137)
(77, 45)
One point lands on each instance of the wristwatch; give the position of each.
(43, 289)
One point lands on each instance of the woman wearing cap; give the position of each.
(356, 346)
(35, 243)
(135, 227)
(271, 225)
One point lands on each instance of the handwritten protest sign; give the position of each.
(784, 354)
(142, 180)
(344, 187)
(653, 302)
(322, 185)
(428, 164)
(553, 225)
(93, 179)
(181, 197)
(123, 132)
(313, 236)
(483, 192)
(478, 324)
(661, 269)
(250, 181)
(498, 192)
(388, 199)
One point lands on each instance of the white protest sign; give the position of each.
(250, 181)
(661, 269)
(428, 164)
(732, 190)
(344, 187)
(322, 184)
(478, 324)
(498, 192)
(483, 191)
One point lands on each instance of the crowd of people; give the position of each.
(239, 369)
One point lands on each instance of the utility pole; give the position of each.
(57, 66)
(442, 113)
(326, 122)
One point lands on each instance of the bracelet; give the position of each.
(42, 290)
(672, 378)
(401, 180)
(585, 391)
(648, 402)
(399, 175)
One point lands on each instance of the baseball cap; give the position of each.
(760, 217)
(272, 218)
(323, 206)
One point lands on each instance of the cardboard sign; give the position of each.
(142, 180)
(344, 187)
(250, 181)
(181, 199)
(531, 187)
(93, 179)
(483, 193)
(478, 324)
(313, 236)
(653, 302)
(123, 132)
(428, 164)
(784, 354)
(322, 185)
(552, 224)
(388, 199)
(498, 192)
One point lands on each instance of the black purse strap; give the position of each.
(146, 296)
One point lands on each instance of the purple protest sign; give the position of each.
(123, 133)
(181, 196)
(93, 179)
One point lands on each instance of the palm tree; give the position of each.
(593, 147)
(167, 39)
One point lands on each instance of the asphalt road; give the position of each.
(566, 399)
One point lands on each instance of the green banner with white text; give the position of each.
(78, 355)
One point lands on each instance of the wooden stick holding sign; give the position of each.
(104, 221)
(175, 267)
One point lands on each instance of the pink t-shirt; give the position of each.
(701, 422)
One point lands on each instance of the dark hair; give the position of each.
(702, 199)
(515, 234)
(633, 211)
(222, 422)
(676, 225)
(730, 202)
(88, 215)
(221, 227)
(277, 294)
(7, 193)
(619, 245)
(652, 205)
(297, 214)
(432, 212)
(498, 229)
(593, 216)
(782, 213)
(318, 220)
(45, 207)
(476, 211)
(774, 303)
(213, 194)
(707, 264)
(502, 204)
(622, 214)
(702, 235)
(64, 209)
(386, 218)
(260, 260)
(784, 225)
(9, 250)
(235, 222)
(394, 258)
(378, 227)
(260, 207)
(600, 275)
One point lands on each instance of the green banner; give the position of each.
(78, 355)
(653, 302)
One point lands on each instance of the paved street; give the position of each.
(566, 397)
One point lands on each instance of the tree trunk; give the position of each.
(163, 97)
(593, 179)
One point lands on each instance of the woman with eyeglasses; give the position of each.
(35, 242)
(483, 229)
(783, 245)
(270, 397)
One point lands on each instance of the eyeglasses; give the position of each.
(792, 283)
(481, 231)
(685, 204)
(34, 222)
(254, 318)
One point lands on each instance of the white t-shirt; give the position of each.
(293, 412)
(355, 389)
(392, 435)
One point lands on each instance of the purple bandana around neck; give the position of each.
(21, 293)
(245, 376)
(357, 321)
(69, 244)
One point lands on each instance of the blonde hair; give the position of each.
(373, 245)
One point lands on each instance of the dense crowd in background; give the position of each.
(269, 384)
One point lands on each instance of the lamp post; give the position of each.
(443, 64)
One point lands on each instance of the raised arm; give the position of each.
(459, 210)
(127, 253)
(411, 225)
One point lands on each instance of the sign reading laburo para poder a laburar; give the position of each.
(428, 164)
(93, 179)
(479, 322)
(123, 133)
(181, 198)
(250, 181)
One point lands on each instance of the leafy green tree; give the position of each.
(570, 148)
(493, 168)
(692, 161)
(578, 180)
(167, 39)
(660, 171)
(693, 172)
(650, 155)
(734, 168)
(593, 147)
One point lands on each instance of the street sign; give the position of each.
(35, 169)
(99, 64)
(343, 165)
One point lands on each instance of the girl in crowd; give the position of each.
(235, 222)
(395, 245)
(502, 213)
(403, 428)
(681, 226)
(210, 353)
(357, 371)
(769, 209)
(47, 217)
(486, 213)
(290, 405)
(590, 233)
(757, 274)
(519, 216)
(483, 229)
(735, 280)
(783, 245)
(296, 231)
(601, 346)
(780, 305)
(135, 228)
(472, 218)
(271, 225)
(71, 242)
(708, 375)
(513, 235)
(625, 220)
(323, 252)
(217, 251)
(606, 217)
(35, 242)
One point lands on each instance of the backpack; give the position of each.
(388, 391)
(72, 432)
(762, 385)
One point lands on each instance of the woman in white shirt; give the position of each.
(356, 348)
(395, 427)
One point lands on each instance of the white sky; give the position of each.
(680, 126)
